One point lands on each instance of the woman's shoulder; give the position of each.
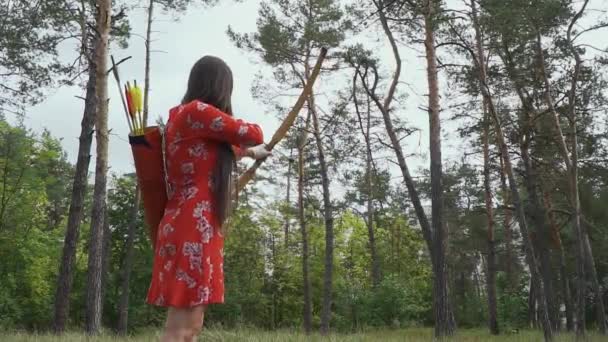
(190, 107)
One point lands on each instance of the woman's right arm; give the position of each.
(209, 122)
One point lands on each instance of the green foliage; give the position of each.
(29, 49)
(517, 18)
(120, 201)
(32, 204)
(288, 29)
(33, 33)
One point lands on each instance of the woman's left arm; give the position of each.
(208, 122)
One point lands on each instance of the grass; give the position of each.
(407, 335)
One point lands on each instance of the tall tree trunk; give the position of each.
(532, 304)
(303, 229)
(443, 326)
(127, 267)
(106, 257)
(147, 65)
(93, 301)
(576, 203)
(507, 226)
(376, 277)
(585, 263)
(395, 142)
(580, 249)
(272, 285)
(563, 274)
(566, 293)
(329, 225)
(76, 211)
(390, 130)
(288, 199)
(599, 295)
(521, 217)
(369, 221)
(327, 206)
(491, 260)
(305, 252)
(537, 216)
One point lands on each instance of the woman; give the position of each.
(202, 142)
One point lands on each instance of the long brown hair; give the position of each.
(211, 82)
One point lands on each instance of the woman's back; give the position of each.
(189, 271)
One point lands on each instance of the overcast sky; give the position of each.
(202, 31)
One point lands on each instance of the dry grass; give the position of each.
(407, 335)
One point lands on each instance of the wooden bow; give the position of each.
(287, 123)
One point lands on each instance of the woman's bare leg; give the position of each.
(183, 324)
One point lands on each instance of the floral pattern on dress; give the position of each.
(189, 193)
(188, 168)
(168, 265)
(188, 260)
(168, 249)
(168, 229)
(201, 106)
(217, 124)
(194, 252)
(183, 276)
(203, 226)
(195, 124)
(198, 151)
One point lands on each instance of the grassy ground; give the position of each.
(413, 335)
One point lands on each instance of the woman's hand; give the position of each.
(258, 152)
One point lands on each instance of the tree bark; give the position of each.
(288, 199)
(563, 274)
(537, 216)
(390, 130)
(93, 300)
(574, 196)
(376, 277)
(507, 226)
(491, 260)
(584, 253)
(76, 211)
(329, 225)
(106, 256)
(440, 289)
(409, 182)
(521, 216)
(303, 229)
(127, 267)
(147, 65)
(590, 263)
(327, 205)
(532, 304)
(369, 220)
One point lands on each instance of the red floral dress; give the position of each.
(189, 255)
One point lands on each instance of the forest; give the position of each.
(474, 202)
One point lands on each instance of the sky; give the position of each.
(178, 41)
(177, 44)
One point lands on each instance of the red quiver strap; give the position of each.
(149, 168)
